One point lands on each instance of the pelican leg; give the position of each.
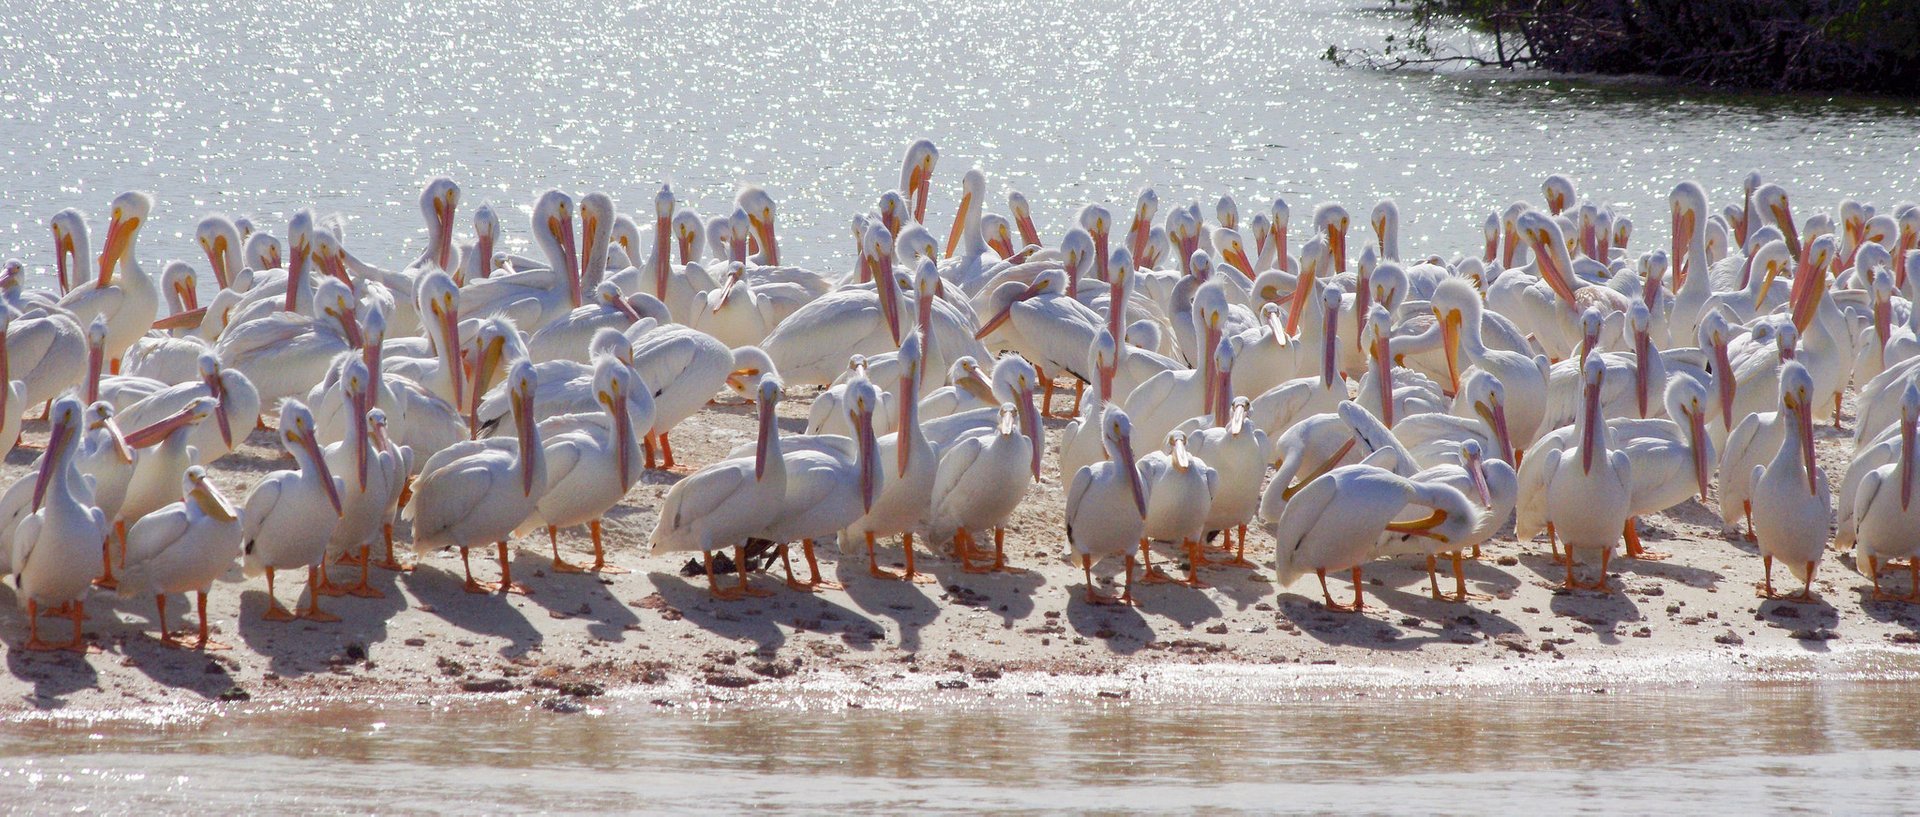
(391, 563)
(315, 576)
(107, 581)
(361, 588)
(79, 641)
(963, 547)
(713, 583)
(326, 587)
(1766, 583)
(1080, 389)
(813, 564)
(473, 585)
(740, 567)
(1126, 594)
(1600, 584)
(1046, 391)
(203, 642)
(666, 452)
(1634, 551)
(160, 606)
(1570, 584)
(906, 546)
(1747, 506)
(560, 565)
(1194, 561)
(1836, 406)
(507, 584)
(33, 630)
(873, 563)
(1913, 581)
(1806, 592)
(646, 444)
(1321, 572)
(1433, 577)
(1000, 552)
(1153, 575)
(1239, 551)
(1873, 570)
(1460, 582)
(1086, 569)
(274, 611)
(786, 565)
(600, 553)
(349, 558)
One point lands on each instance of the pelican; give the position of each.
(374, 475)
(129, 302)
(288, 518)
(1884, 507)
(1180, 489)
(165, 454)
(1481, 416)
(1237, 452)
(1587, 490)
(237, 403)
(1107, 507)
(809, 347)
(53, 549)
(285, 353)
(831, 482)
(476, 259)
(1492, 484)
(566, 337)
(120, 390)
(1523, 378)
(535, 297)
(906, 495)
(1336, 523)
(980, 481)
(1792, 506)
(183, 547)
(1050, 329)
(1082, 441)
(1170, 398)
(729, 501)
(1279, 408)
(686, 367)
(480, 491)
(591, 465)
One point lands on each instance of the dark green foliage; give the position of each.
(1870, 46)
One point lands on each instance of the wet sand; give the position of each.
(654, 633)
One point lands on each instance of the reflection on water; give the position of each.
(349, 107)
(1810, 745)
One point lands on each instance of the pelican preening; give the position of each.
(1407, 400)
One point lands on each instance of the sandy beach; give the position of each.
(653, 628)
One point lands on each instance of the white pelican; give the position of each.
(285, 353)
(1180, 489)
(729, 501)
(1588, 489)
(1336, 522)
(1390, 391)
(1792, 505)
(237, 405)
(476, 492)
(1280, 407)
(120, 390)
(165, 454)
(1492, 484)
(812, 344)
(1555, 313)
(52, 559)
(980, 482)
(592, 464)
(374, 475)
(686, 368)
(1082, 441)
(1884, 508)
(129, 302)
(181, 548)
(733, 312)
(831, 482)
(565, 338)
(675, 287)
(534, 297)
(476, 259)
(906, 495)
(1523, 377)
(1172, 397)
(1107, 507)
(288, 518)
(1479, 415)
(71, 250)
(967, 389)
(1237, 452)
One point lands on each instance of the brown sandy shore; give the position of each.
(654, 634)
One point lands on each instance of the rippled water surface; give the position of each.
(350, 106)
(1762, 748)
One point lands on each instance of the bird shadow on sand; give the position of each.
(300, 647)
(1602, 611)
(54, 675)
(1008, 595)
(139, 644)
(1810, 622)
(905, 602)
(751, 619)
(442, 593)
(585, 596)
(1122, 628)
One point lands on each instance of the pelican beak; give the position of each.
(217, 389)
(1477, 472)
(919, 185)
(1683, 227)
(1450, 346)
(1783, 216)
(1907, 429)
(524, 419)
(1237, 419)
(349, 324)
(211, 502)
(1642, 350)
(1723, 377)
(1803, 414)
(739, 379)
(863, 426)
(312, 444)
(1130, 471)
(1697, 429)
(1321, 470)
(1327, 347)
(448, 313)
(763, 230)
(1423, 527)
(443, 208)
(1495, 416)
(1006, 312)
(1181, 459)
(119, 238)
(616, 404)
(1556, 277)
(160, 429)
(51, 461)
(486, 361)
(358, 436)
(1810, 285)
(1590, 437)
(1030, 425)
(959, 222)
(1337, 242)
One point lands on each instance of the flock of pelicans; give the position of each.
(1354, 405)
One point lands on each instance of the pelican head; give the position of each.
(128, 212)
(1687, 405)
(199, 492)
(916, 175)
(612, 383)
(177, 280)
(69, 245)
(211, 377)
(757, 205)
(1771, 199)
(262, 251)
(688, 233)
(998, 233)
(1796, 400)
(862, 400)
(65, 435)
(1332, 221)
(1117, 437)
(751, 367)
(912, 244)
(438, 201)
(1489, 400)
(335, 300)
(220, 241)
(1558, 191)
(297, 436)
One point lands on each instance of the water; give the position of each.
(349, 107)
(1775, 747)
